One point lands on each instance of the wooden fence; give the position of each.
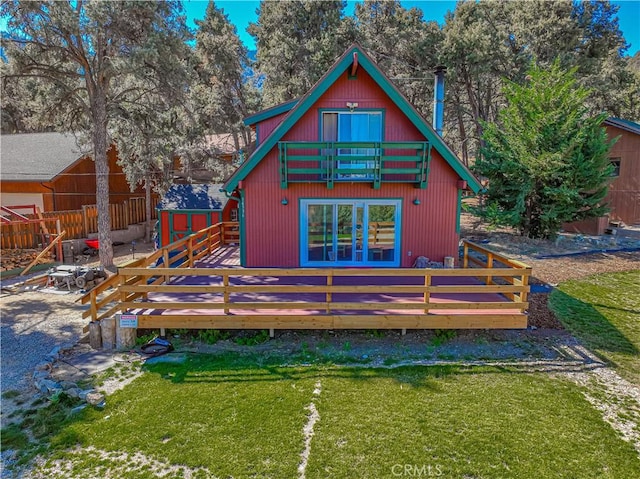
(77, 223)
(331, 298)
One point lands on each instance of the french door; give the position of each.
(350, 232)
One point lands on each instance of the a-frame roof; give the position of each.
(321, 86)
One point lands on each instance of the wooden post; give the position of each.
(95, 335)
(127, 217)
(489, 279)
(427, 291)
(85, 221)
(225, 283)
(223, 240)
(94, 309)
(190, 251)
(525, 282)
(60, 234)
(108, 327)
(329, 295)
(465, 254)
(165, 260)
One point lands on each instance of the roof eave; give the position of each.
(270, 112)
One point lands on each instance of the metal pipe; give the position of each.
(438, 99)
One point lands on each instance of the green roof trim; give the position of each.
(627, 125)
(329, 78)
(270, 112)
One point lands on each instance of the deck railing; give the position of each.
(363, 161)
(259, 298)
(104, 299)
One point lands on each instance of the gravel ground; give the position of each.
(33, 322)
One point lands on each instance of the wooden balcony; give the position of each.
(374, 162)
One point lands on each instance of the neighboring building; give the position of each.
(186, 209)
(624, 191)
(349, 175)
(48, 170)
(224, 146)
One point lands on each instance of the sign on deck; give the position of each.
(128, 321)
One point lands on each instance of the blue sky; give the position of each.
(242, 12)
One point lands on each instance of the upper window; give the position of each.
(615, 162)
(352, 126)
(347, 126)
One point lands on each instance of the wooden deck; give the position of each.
(210, 290)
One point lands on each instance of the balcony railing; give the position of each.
(375, 162)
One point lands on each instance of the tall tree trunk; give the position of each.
(147, 197)
(102, 179)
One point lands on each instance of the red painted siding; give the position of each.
(226, 212)
(264, 128)
(272, 229)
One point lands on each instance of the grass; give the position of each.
(603, 311)
(243, 417)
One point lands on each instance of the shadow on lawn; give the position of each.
(586, 323)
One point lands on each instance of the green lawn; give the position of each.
(232, 417)
(603, 311)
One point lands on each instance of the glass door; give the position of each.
(350, 233)
(319, 242)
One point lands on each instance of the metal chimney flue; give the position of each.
(438, 99)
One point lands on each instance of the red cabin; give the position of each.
(349, 175)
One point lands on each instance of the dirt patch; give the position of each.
(540, 316)
(556, 270)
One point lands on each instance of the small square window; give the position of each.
(234, 215)
(615, 162)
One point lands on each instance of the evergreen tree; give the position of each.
(225, 93)
(84, 54)
(486, 41)
(403, 45)
(297, 42)
(546, 158)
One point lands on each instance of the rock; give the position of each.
(54, 354)
(73, 392)
(47, 386)
(39, 375)
(68, 385)
(44, 366)
(95, 398)
(83, 394)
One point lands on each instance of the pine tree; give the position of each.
(225, 92)
(403, 45)
(84, 55)
(297, 42)
(546, 158)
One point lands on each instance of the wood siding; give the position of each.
(272, 229)
(76, 186)
(624, 191)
